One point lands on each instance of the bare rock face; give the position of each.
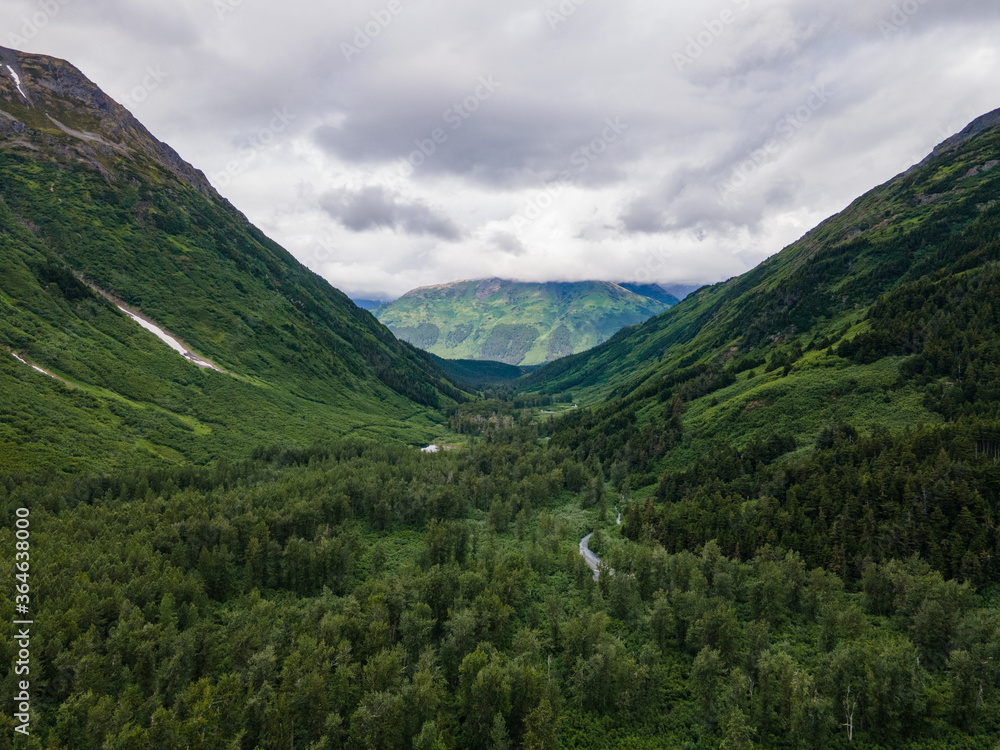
(48, 104)
(10, 127)
(487, 288)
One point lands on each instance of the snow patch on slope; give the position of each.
(162, 335)
(169, 340)
(35, 367)
(17, 81)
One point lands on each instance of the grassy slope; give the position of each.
(815, 293)
(460, 320)
(305, 362)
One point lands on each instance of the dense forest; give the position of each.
(356, 595)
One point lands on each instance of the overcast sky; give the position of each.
(390, 144)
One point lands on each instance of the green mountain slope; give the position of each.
(90, 200)
(517, 323)
(840, 401)
(762, 338)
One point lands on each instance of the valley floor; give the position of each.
(358, 595)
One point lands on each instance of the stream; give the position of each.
(592, 560)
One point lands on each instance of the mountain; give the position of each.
(680, 291)
(653, 291)
(930, 228)
(368, 304)
(97, 215)
(787, 489)
(518, 323)
(839, 401)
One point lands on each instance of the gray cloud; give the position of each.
(506, 242)
(692, 177)
(154, 23)
(518, 143)
(375, 207)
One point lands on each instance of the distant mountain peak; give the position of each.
(517, 322)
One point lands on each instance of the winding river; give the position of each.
(592, 560)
